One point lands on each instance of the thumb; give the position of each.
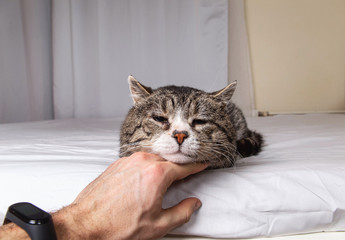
(180, 214)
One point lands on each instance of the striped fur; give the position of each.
(185, 125)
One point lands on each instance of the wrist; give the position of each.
(70, 223)
(78, 223)
(37, 223)
(12, 231)
(65, 225)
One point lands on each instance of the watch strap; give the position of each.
(42, 231)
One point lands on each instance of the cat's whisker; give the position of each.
(228, 156)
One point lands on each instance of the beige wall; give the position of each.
(297, 49)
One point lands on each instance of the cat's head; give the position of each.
(181, 124)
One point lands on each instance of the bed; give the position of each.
(295, 186)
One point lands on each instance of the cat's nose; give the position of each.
(180, 136)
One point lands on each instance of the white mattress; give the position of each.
(296, 185)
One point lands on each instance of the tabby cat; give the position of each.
(184, 125)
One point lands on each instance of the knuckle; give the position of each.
(156, 170)
(138, 155)
(142, 156)
(152, 170)
(187, 216)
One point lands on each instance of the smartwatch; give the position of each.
(36, 222)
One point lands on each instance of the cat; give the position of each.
(184, 125)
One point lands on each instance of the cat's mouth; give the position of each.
(170, 149)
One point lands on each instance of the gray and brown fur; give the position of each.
(184, 124)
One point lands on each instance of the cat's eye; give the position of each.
(199, 122)
(160, 119)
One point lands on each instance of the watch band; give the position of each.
(36, 222)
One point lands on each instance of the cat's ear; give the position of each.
(139, 92)
(226, 93)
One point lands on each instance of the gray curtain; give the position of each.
(25, 61)
(71, 58)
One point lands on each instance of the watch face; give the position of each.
(29, 213)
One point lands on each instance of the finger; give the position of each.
(179, 214)
(178, 172)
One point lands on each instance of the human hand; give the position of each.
(125, 202)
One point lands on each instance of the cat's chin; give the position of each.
(179, 158)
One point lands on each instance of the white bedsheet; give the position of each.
(296, 185)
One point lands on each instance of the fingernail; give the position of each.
(197, 205)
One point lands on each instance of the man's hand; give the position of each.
(125, 202)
